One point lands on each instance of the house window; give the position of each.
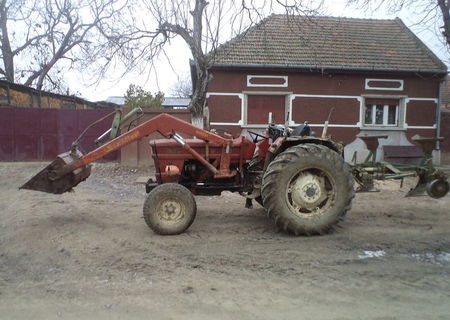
(381, 112)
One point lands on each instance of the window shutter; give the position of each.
(259, 106)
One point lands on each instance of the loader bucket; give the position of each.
(47, 181)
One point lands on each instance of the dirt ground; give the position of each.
(89, 254)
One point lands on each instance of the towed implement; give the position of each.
(301, 180)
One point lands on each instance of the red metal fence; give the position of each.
(31, 134)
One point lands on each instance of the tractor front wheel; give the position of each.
(307, 189)
(169, 209)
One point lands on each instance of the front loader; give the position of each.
(302, 181)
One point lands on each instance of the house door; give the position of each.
(259, 106)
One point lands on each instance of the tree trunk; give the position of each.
(8, 62)
(8, 57)
(197, 121)
(444, 6)
(199, 95)
(196, 107)
(198, 100)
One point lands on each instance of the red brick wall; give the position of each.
(325, 84)
(227, 108)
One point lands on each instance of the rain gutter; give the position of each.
(324, 68)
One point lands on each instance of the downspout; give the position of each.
(438, 118)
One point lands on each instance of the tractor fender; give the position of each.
(333, 145)
(283, 143)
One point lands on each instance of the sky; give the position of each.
(166, 73)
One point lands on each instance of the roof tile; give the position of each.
(298, 41)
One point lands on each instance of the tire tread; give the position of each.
(269, 190)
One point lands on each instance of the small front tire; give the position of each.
(169, 209)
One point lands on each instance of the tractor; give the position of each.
(301, 180)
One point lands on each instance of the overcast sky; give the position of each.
(166, 74)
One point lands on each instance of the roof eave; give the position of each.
(328, 68)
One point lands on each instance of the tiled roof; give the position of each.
(328, 42)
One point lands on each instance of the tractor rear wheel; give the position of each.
(169, 209)
(307, 189)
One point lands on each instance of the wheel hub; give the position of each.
(310, 192)
(307, 191)
(171, 210)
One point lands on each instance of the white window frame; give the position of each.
(267, 85)
(287, 106)
(399, 81)
(400, 113)
(385, 116)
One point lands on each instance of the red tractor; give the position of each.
(302, 181)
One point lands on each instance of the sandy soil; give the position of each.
(89, 254)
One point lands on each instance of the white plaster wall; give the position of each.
(395, 138)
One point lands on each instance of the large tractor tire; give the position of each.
(169, 209)
(307, 189)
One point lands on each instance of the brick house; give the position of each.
(376, 75)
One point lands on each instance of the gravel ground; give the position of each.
(88, 254)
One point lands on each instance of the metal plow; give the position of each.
(431, 180)
(435, 185)
(54, 179)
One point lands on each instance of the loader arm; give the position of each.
(165, 124)
(71, 168)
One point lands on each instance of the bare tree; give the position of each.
(202, 25)
(20, 11)
(58, 35)
(199, 28)
(428, 13)
(182, 88)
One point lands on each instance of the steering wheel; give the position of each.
(255, 136)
